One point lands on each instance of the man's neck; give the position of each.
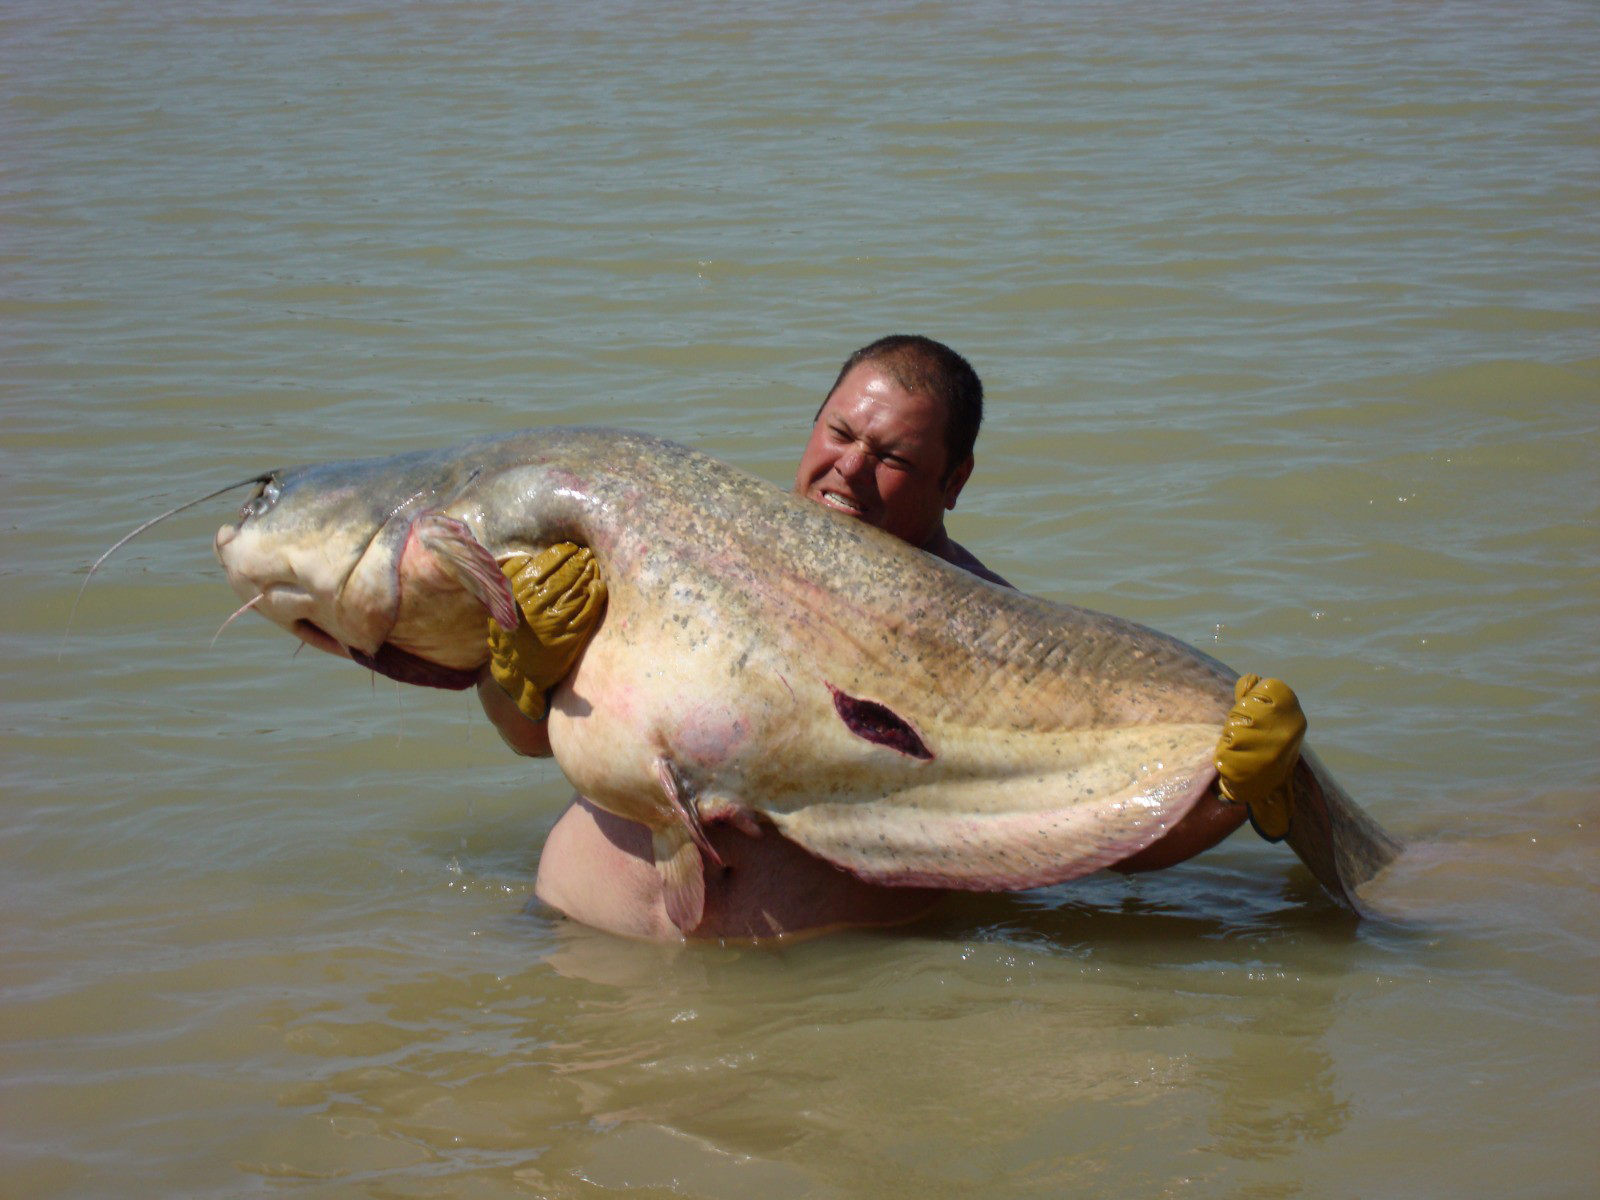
(941, 545)
(938, 544)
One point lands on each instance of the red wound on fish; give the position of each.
(874, 722)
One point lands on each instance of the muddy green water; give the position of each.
(1288, 315)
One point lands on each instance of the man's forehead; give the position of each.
(876, 402)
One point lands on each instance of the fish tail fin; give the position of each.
(1340, 843)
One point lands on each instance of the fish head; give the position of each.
(359, 560)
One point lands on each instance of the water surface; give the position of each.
(1288, 320)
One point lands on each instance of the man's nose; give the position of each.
(853, 463)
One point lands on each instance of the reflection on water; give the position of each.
(1287, 321)
(1040, 1051)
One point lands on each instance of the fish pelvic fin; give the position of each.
(683, 882)
(682, 850)
(677, 793)
(469, 563)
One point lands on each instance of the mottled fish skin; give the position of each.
(986, 739)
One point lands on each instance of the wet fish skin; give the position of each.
(1054, 740)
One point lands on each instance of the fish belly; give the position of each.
(978, 809)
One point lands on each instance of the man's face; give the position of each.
(877, 453)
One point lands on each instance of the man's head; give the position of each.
(892, 443)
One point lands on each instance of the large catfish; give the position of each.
(761, 656)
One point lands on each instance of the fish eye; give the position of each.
(264, 497)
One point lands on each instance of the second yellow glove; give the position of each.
(1259, 746)
(561, 596)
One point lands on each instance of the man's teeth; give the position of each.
(840, 502)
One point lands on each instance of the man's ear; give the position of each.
(957, 481)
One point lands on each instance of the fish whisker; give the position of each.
(128, 537)
(243, 608)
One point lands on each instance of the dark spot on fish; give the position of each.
(878, 724)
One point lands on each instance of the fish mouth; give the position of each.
(314, 635)
(294, 607)
(389, 660)
(404, 667)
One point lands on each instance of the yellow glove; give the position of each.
(1258, 749)
(561, 596)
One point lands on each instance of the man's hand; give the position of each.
(561, 596)
(1259, 746)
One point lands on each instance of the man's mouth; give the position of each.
(842, 503)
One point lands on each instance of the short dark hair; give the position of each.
(928, 368)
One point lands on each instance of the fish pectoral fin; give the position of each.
(682, 872)
(469, 563)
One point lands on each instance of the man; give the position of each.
(892, 445)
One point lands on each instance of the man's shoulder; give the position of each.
(958, 555)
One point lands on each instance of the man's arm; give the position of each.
(526, 736)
